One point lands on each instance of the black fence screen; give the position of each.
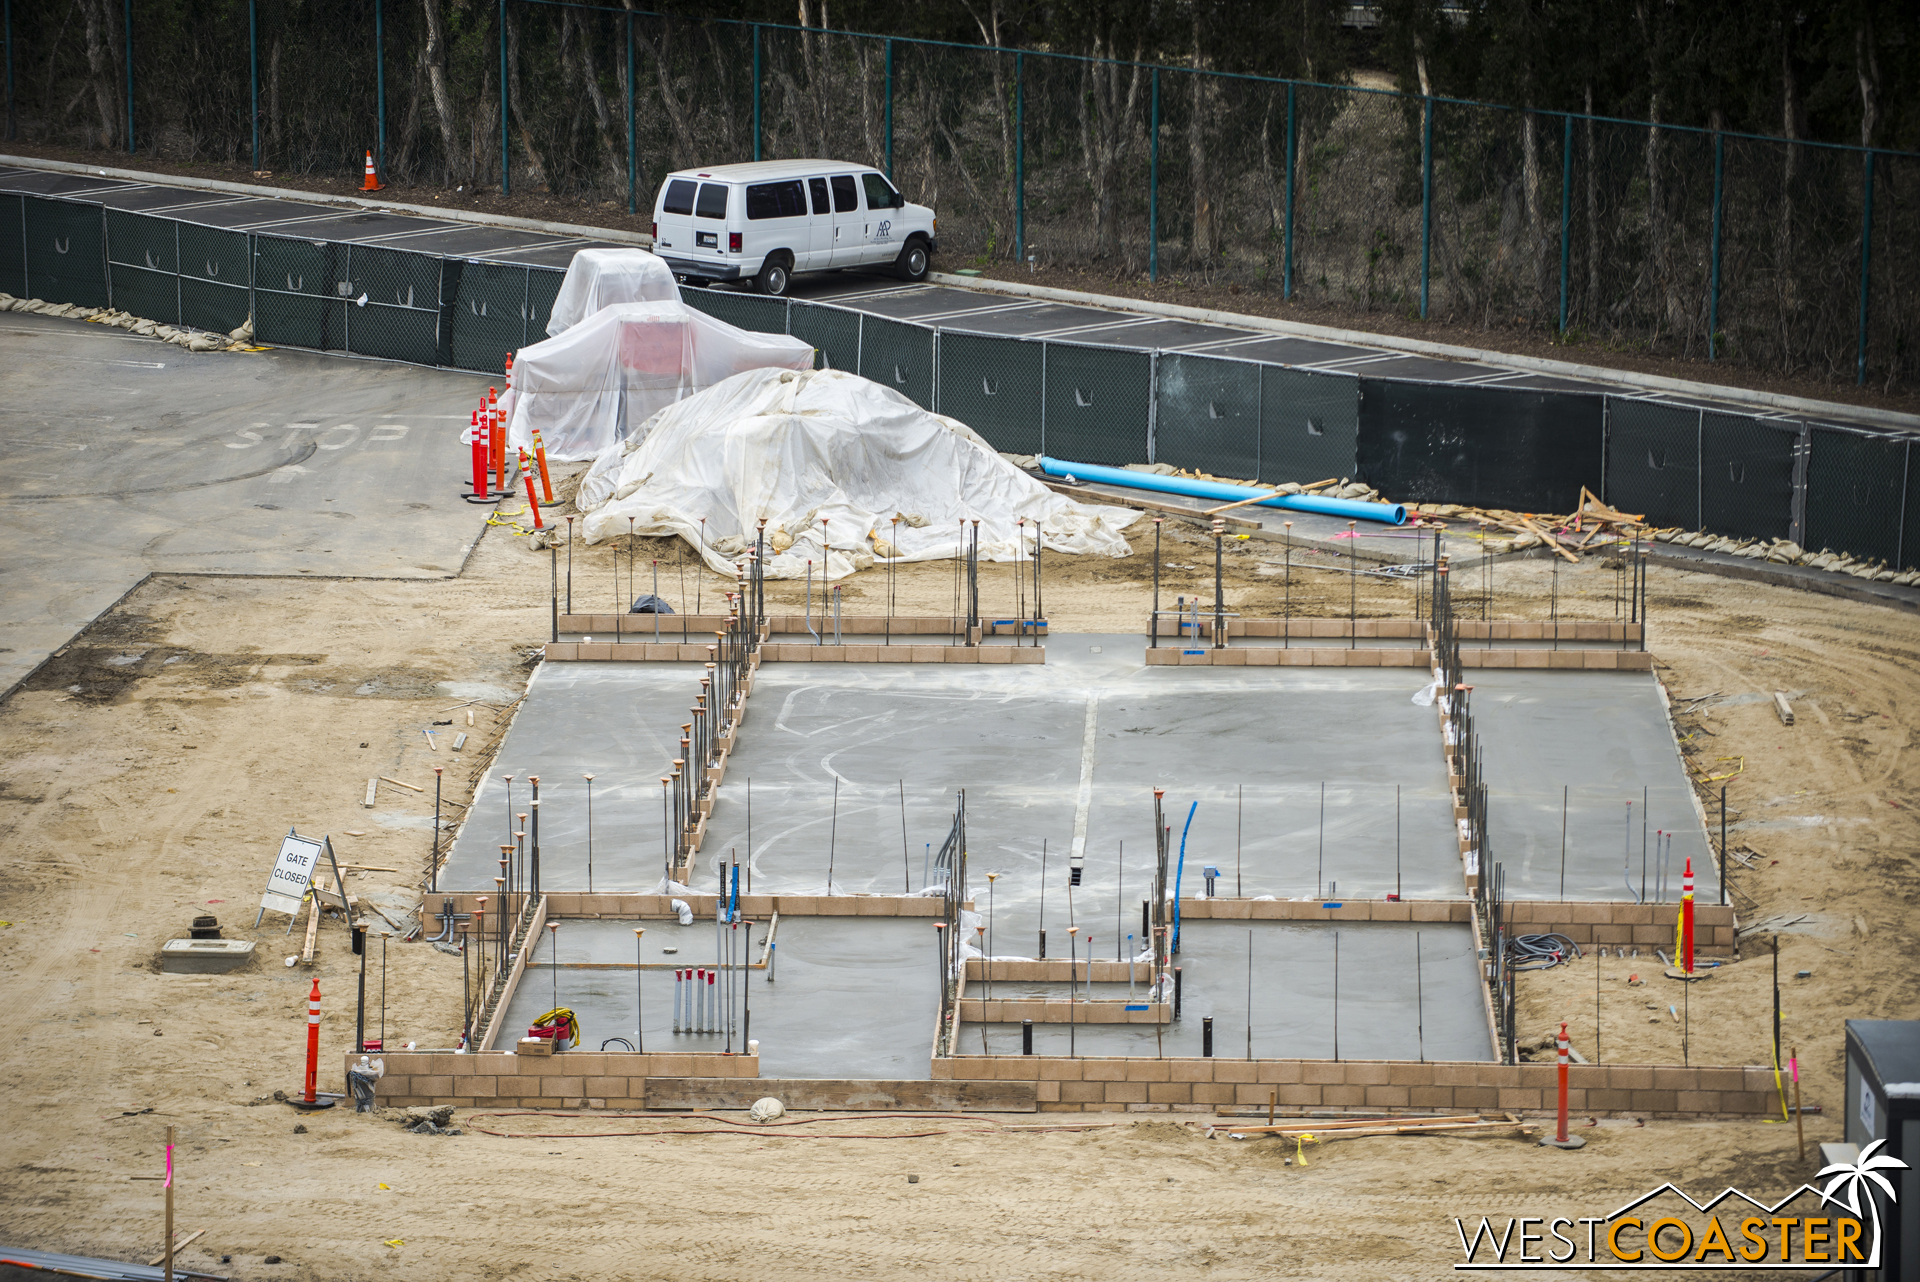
(1489, 447)
(1856, 495)
(1530, 450)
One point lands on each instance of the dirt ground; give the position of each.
(134, 794)
(1189, 289)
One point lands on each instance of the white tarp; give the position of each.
(591, 386)
(829, 459)
(599, 278)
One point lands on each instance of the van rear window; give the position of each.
(712, 202)
(679, 198)
(776, 200)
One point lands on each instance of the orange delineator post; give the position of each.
(533, 504)
(1560, 1135)
(478, 451)
(540, 456)
(1686, 920)
(313, 1043)
(499, 441)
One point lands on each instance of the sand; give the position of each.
(137, 794)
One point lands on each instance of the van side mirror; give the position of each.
(899, 201)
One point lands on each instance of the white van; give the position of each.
(768, 220)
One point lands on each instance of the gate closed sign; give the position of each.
(292, 873)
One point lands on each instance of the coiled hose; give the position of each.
(1540, 952)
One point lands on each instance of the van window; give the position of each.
(712, 202)
(846, 199)
(879, 194)
(777, 200)
(679, 198)
(819, 189)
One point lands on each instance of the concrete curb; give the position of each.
(322, 198)
(1389, 342)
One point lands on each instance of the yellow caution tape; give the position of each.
(393, 1241)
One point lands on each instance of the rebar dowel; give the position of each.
(1153, 618)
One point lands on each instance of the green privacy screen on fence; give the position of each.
(1680, 465)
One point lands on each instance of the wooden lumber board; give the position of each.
(313, 928)
(1171, 509)
(681, 1094)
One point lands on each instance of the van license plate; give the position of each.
(706, 240)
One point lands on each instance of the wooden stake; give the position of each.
(396, 783)
(167, 1255)
(1258, 498)
(1273, 1097)
(1799, 1121)
(181, 1245)
(313, 927)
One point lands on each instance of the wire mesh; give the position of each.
(543, 286)
(745, 311)
(1096, 404)
(1309, 425)
(1207, 415)
(898, 356)
(488, 314)
(143, 265)
(993, 386)
(13, 246)
(1856, 487)
(833, 331)
(1746, 475)
(300, 293)
(215, 278)
(1653, 461)
(394, 312)
(66, 258)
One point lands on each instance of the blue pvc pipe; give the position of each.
(1389, 513)
(1180, 868)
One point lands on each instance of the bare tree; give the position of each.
(103, 67)
(576, 61)
(435, 58)
(988, 23)
(1108, 105)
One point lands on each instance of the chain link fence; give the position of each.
(1796, 257)
(1750, 476)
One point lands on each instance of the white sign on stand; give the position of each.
(293, 872)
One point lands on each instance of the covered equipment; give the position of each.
(599, 278)
(829, 459)
(592, 385)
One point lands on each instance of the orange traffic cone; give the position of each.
(372, 182)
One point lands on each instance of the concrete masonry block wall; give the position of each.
(1096, 1085)
(635, 626)
(570, 1079)
(1601, 922)
(1172, 655)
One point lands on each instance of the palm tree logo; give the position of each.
(1851, 1178)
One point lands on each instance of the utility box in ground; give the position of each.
(1883, 1103)
(204, 956)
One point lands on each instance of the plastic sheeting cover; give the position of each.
(598, 278)
(589, 387)
(829, 459)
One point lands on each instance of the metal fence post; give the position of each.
(630, 111)
(1426, 199)
(1700, 471)
(1153, 404)
(756, 91)
(1866, 264)
(1566, 212)
(1797, 504)
(1286, 269)
(1043, 396)
(129, 35)
(889, 110)
(8, 4)
(506, 156)
(1019, 157)
(1153, 187)
(253, 62)
(1713, 296)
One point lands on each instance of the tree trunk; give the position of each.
(589, 74)
(536, 164)
(102, 68)
(435, 58)
(677, 113)
(274, 138)
(1789, 165)
(1106, 120)
(1205, 98)
(403, 154)
(989, 27)
(1867, 68)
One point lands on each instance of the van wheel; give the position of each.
(775, 274)
(912, 263)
